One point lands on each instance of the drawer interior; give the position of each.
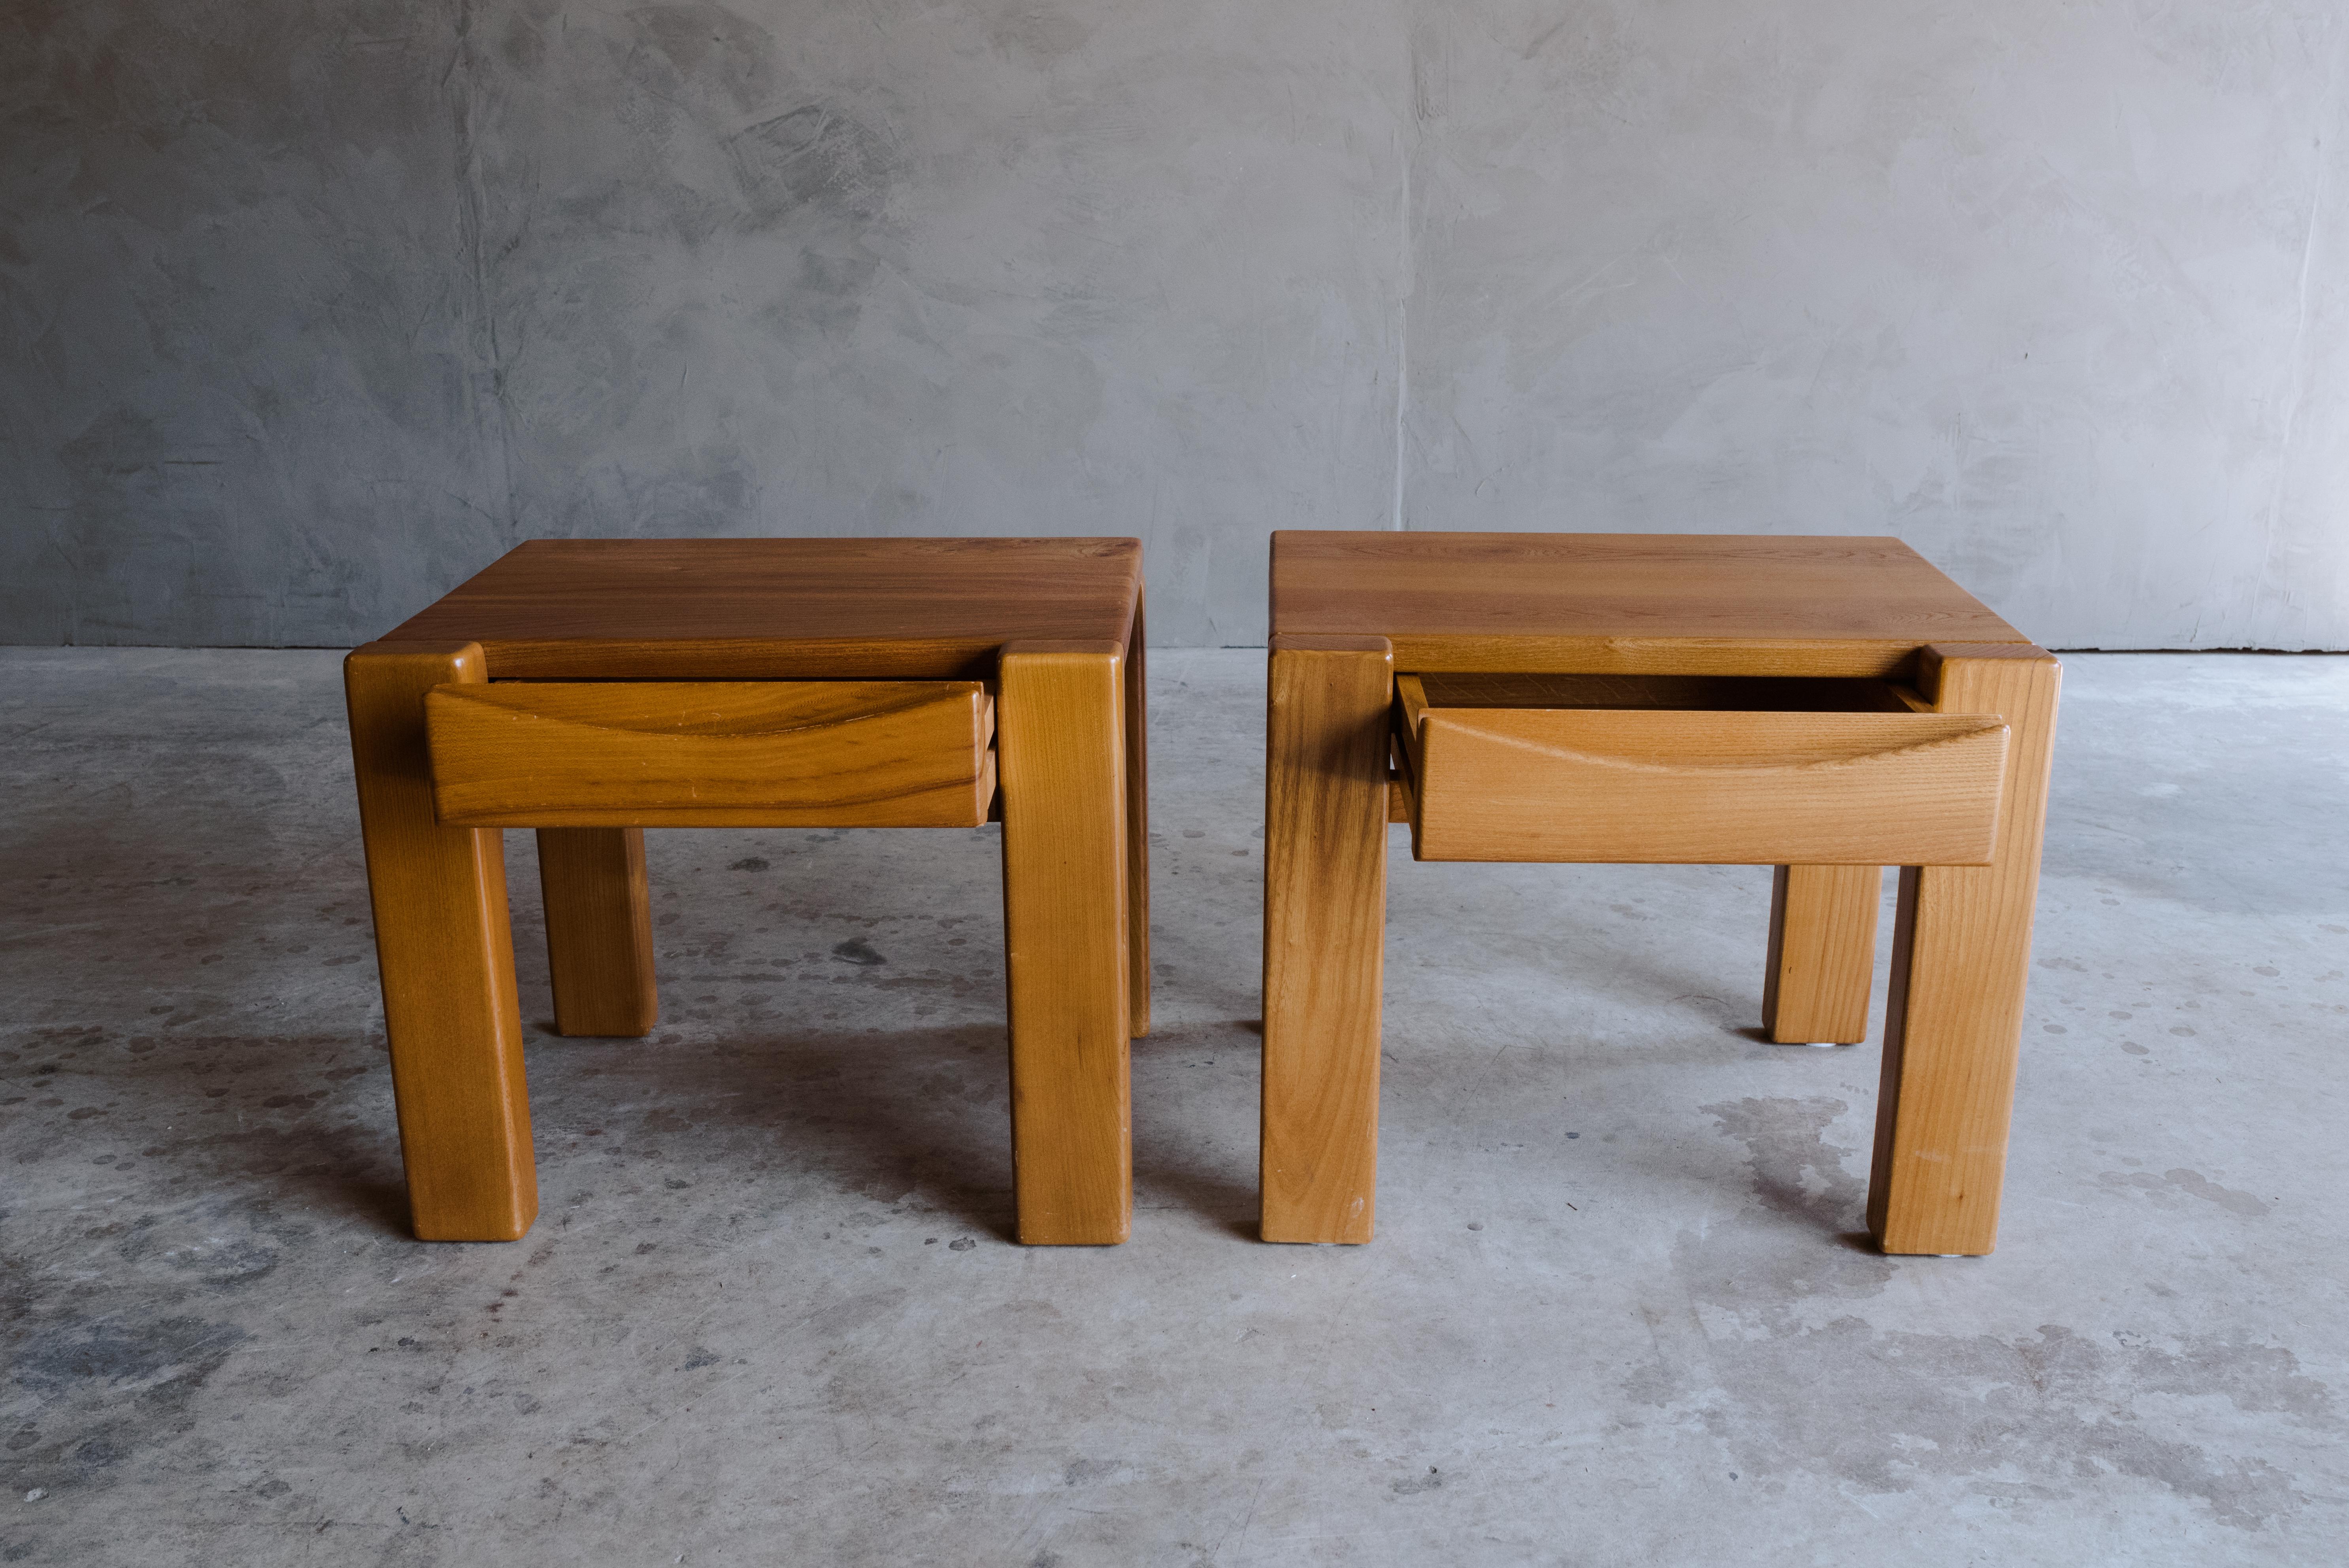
(1752, 694)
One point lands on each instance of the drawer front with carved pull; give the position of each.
(1723, 771)
(708, 754)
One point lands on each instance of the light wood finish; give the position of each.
(1815, 985)
(1822, 954)
(1326, 808)
(1650, 625)
(599, 930)
(626, 616)
(446, 953)
(1709, 786)
(1960, 959)
(1650, 604)
(1822, 918)
(1065, 847)
(797, 754)
(1137, 828)
(772, 609)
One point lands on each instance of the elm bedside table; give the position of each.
(1827, 706)
(591, 689)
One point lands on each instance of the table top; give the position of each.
(1656, 603)
(767, 609)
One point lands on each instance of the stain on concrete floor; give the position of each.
(1620, 1308)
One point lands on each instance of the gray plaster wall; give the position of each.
(307, 312)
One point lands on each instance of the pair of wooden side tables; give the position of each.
(1827, 706)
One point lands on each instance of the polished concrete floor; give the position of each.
(1617, 1311)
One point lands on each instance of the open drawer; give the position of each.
(712, 754)
(1693, 770)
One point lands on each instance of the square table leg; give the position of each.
(1061, 753)
(446, 952)
(1960, 956)
(1325, 891)
(1822, 954)
(599, 930)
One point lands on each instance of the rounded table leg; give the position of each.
(446, 953)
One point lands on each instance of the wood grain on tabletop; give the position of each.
(1716, 787)
(764, 609)
(1822, 954)
(446, 952)
(678, 753)
(599, 930)
(1326, 806)
(1065, 848)
(1657, 603)
(1960, 962)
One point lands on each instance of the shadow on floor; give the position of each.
(913, 1115)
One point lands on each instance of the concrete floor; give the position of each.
(1617, 1311)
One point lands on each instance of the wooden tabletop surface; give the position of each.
(779, 608)
(1634, 602)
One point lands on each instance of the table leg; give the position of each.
(1822, 952)
(1960, 956)
(1137, 830)
(446, 953)
(1061, 752)
(1325, 884)
(599, 930)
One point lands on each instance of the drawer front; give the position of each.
(1699, 787)
(712, 754)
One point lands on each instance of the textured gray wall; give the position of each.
(311, 311)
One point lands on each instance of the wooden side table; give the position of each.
(1828, 706)
(591, 689)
